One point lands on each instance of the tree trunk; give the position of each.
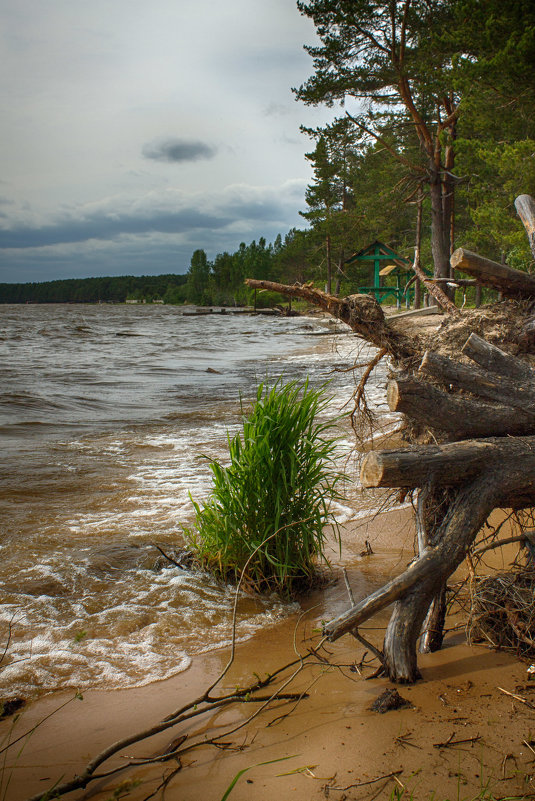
(448, 465)
(417, 250)
(403, 632)
(479, 382)
(458, 416)
(433, 628)
(328, 287)
(496, 360)
(525, 207)
(510, 282)
(440, 227)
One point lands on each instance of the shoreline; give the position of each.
(332, 737)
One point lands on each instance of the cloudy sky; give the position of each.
(135, 131)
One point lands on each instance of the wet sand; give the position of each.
(459, 734)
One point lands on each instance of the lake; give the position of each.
(105, 414)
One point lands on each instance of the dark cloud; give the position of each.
(158, 234)
(169, 215)
(106, 227)
(175, 151)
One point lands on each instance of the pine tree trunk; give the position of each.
(440, 229)
(328, 287)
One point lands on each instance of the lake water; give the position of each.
(105, 412)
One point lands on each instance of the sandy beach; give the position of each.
(462, 732)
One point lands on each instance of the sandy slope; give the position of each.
(338, 748)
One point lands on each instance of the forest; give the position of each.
(431, 139)
(114, 289)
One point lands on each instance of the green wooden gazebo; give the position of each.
(385, 262)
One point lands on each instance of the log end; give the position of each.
(457, 258)
(392, 395)
(371, 471)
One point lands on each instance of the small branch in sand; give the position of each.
(391, 775)
(355, 632)
(517, 698)
(450, 741)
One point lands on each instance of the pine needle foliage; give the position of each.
(268, 509)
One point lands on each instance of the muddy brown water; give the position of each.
(105, 412)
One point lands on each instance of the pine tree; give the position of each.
(389, 55)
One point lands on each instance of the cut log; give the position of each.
(496, 360)
(508, 281)
(360, 312)
(458, 416)
(512, 477)
(525, 208)
(448, 465)
(479, 382)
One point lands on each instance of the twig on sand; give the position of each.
(450, 741)
(391, 775)
(517, 698)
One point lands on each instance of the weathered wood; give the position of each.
(456, 281)
(496, 360)
(510, 282)
(449, 465)
(360, 312)
(434, 289)
(525, 208)
(459, 416)
(432, 635)
(479, 382)
(413, 590)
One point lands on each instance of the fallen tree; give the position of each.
(478, 411)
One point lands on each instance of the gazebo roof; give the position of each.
(379, 251)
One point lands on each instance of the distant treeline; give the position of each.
(116, 289)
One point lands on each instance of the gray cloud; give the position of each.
(175, 151)
(169, 212)
(152, 234)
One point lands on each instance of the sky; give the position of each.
(136, 131)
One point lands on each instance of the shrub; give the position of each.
(268, 510)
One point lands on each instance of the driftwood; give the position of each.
(481, 417)
(362, 313)
(510, 282)
(458, 416)
(436, 291)
(448, 465)
(507, 480)
(490, 386)
(496, 360)
(503, 391)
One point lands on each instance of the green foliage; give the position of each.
(245, 770)
(197, 286)
(268, 508)
(115, 289)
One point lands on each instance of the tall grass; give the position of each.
(269, 507)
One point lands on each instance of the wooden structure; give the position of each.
(386, 262)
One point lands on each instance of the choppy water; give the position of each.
(104, 411)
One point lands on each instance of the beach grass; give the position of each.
(268, 509)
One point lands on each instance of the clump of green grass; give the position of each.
(268, 509)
